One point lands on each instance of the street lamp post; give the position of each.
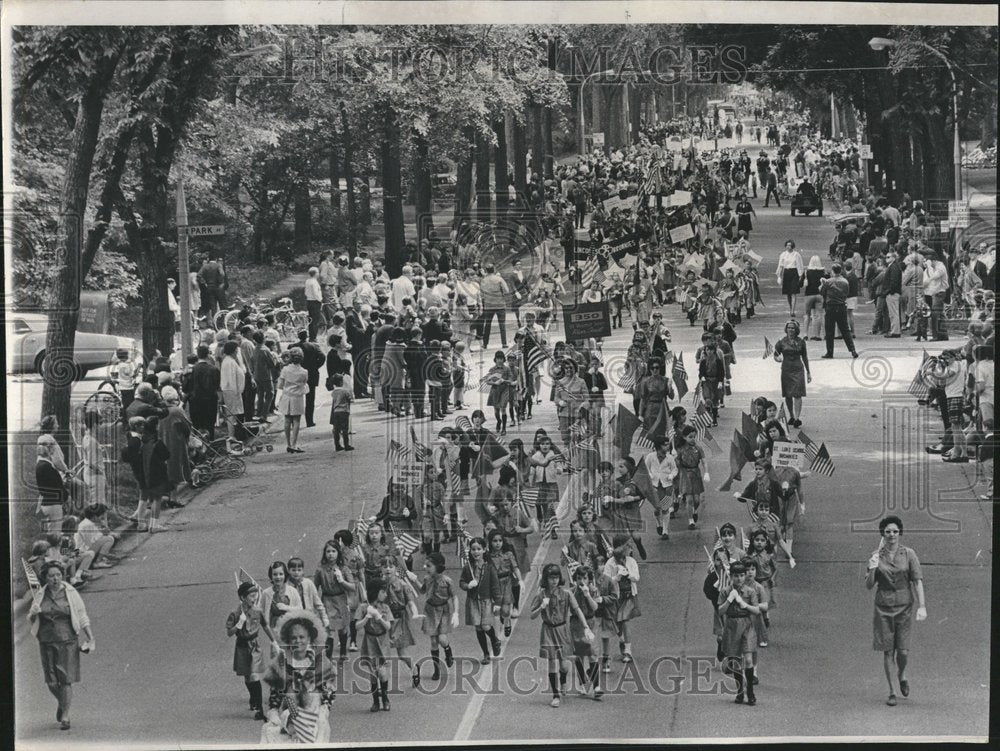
(881, 43)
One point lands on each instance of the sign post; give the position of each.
(183, 273)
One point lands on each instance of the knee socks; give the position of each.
(483, 644)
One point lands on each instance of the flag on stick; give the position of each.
(302, 723)
(32, 578)
(783, 417)
(420, 451)
(736, 462)
(625, 427)
(680, 376)
(768, 348)
(710, 441)
(463, 423)
(822, 464)
(397, 453)
(551, 527)
(702, 419)
(811, 448)
(751, 428)
(657, 429)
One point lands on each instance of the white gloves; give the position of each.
(473, 583)
(706, 477)
(406, 512)
(454, 620)
(921, 614)
(242, 620)
(545, 602)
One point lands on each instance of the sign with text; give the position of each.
(592, 319)
(94, 312)
(598, 139)
(787, 454)
(411, 475)
(680, 198)
(206, 230)
(865, 151)
(958, 214)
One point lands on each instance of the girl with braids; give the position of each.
(555, 604)
(483, 597)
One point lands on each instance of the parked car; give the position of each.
(806, 203)
(444, 183)
(27, 334)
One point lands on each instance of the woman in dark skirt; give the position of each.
(790, 272)
(555, 604)
(790, 351)
(743, 213)
(58, 618)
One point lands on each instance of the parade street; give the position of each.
(161, 672)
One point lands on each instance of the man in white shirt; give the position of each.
(314, 302)
(662, 469)
(173, 306)
(935, 286)
(402, 286)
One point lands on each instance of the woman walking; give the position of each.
(293, 383)
(555, 604)
(175, 430)
(790, 273)
(501, 380)
(894, 571)
(813, 299)
(58, 619)
(790, 351)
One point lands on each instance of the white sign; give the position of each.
(865, 151)
(787, 454)
(682, 233)
(598, 139)
(206, 230)
(680, 198)
(958, 214)
(411, 475)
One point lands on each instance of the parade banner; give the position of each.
(587, 320)
(619, 248)
(756, 258)
(788, 454)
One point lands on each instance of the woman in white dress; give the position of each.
(232, 381)
(293, 382)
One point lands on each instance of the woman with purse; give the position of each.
(58, 618)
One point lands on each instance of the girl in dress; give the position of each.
(301, 678)
(501, 379)
(582, 624)
(505, 567)
(580, 550)
(440, 610)
(375, 618)
(483, 596)
(584, 453)
(402, 601)
(373, 549)
(716, 581)
(761, 556)
(623, 568)
(353, 564)
(514, 523)
(333, 582)
(277, 600)
(431, 496)
(555, 604)
(545, 464)
(607, 606)
(691, 473)
(248, 657)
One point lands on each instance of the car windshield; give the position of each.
(20, 326)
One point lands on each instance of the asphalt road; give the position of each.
(162, 670)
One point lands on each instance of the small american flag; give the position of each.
(822, 464)
(697, 399)
(420, 451)
(360, 530)
(783, 417)
(724, 582)
(812, 450)
(680, 376)
(591, 272)
(31, 577)
(768, 348)
(529, 495)
(745, 539)
(710, 441)
(397, 453)
(302, 723)
(463, 423)
(551, 527)
(405, 543)
(643, 442)
(536, 356)
(456, 480)
(571, 565)
(608, 549)
(702, 419)
(627, 381)
(484, 387)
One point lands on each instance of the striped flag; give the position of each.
(571, 565)
(397, 454)
(783, 417)
(606, 544)
(242, 576)
(768, 348)
(405, 543)
(680, 376)
(591, 272)
(529, 495)
(918, 386)
(697, 398)
(822, 464)
(744, 539)
(463, 423)
(31, 577)
(627, 381)
(456, 479)
(551, 527)
(702, 419)
(811, 448)
(302, 723)
(420, 451)
(360, 530)
(536, 356)
(710, 441)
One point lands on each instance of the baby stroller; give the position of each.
(213, 459)
(251, 434)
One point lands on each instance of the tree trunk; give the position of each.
(501, 176)
(392, 199)
(608, 118)
(550, 156)
(463, 187)
(537, 142)
(424, 188)
(364, 201)
(635, 110)
(352, 208)
(303, 217)
(333, 157)
(60, 339)
(483, 198)
(520, 163)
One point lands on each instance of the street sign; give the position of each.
(787, 454)
(958, 214)
(591, 319)
(94, 312)
(206, 230)
(598, 139)
(865, 150)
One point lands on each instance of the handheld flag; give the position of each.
(680, 376)
(302, 723)
(768, 348)
(397, 453)
(710, 441)
(751, 428)
(657, 430)
(551, 527)
(625, 427)
(822, 464)
(420, 450)
(736, 462)
(463, 423)
(405, 543)
(32, 578)
(811, 448)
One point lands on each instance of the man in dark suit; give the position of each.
(518, 283)
(360, 330)
(434, 329)
(892, 285)
(312, 360)
(380, 339)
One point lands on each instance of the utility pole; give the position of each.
(183, 272)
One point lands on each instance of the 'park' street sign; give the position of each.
(206, 230)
